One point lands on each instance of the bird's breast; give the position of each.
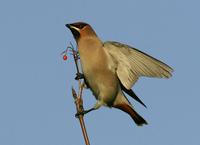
(102, 81)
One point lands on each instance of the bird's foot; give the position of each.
(83, 112)
(80, 113)
(79, 76)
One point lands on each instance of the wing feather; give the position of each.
(131, 63)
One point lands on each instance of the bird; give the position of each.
(110, 69)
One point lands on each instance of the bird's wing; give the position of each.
(131, 63)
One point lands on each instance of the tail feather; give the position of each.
(132, 94)
(134, 115)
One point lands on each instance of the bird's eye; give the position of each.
(80, 26)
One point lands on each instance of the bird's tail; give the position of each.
(134, 115)
(123, 104)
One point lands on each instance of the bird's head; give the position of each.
(80, 30)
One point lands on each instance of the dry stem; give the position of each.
(78, 98)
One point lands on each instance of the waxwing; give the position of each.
(110, 69)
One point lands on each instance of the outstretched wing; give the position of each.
(131, 63)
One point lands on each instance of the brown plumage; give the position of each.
(111, 68)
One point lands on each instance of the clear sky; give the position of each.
(36, 107)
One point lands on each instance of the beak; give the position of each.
(72, 27)
(68, 25)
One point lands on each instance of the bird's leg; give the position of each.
(84, 112)
(97, 105)
(79, 76)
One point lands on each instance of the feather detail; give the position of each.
(131, 63)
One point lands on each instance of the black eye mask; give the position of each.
(79, 25)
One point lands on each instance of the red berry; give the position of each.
(65, 57)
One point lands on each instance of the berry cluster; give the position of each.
(72, 51)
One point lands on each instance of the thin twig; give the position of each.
(78, 98)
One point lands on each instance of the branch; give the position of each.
(78, 98)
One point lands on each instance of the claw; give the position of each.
(80, 113)
(79, 76)
(83, 112)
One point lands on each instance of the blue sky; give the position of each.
(36, 106)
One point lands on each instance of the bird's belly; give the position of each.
(102, 80)
(104, 85)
